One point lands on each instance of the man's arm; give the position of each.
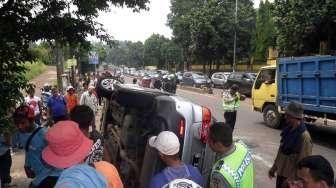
(307, 146)
(81, 101)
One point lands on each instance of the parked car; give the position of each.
(196, 79)
(243, 80)
(179, 76)
(219, 79)
(132, 114)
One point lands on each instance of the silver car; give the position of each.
(219, 78)
(133, 114)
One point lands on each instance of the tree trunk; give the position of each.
(217, 64)
(59, 64)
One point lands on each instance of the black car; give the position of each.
(243, 80)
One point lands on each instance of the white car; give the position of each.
(133, 114)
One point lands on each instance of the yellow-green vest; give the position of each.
(232, 105)
(236, 168)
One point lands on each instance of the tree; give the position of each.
(264, 36)
(302, 26)
(59, 21)
(179, 22)
(212, 29)
(152, 51)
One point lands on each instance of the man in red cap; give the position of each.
(34, 166)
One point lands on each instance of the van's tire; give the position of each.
(105, 86)
(271, 116)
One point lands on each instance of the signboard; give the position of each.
(93, 58)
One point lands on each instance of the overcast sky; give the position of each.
(124, 24)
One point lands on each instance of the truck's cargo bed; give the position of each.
(309, 80)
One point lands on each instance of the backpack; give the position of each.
(182, 183)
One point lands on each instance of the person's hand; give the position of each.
(271, 172)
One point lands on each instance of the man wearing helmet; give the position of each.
(34, 166)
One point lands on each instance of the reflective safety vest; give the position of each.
(237, 168)
(231, 106)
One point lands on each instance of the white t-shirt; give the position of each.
(33, 103)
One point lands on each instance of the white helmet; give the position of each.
(46, 85)
(182, 183)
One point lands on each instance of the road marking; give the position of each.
(261, 159)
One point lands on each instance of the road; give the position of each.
(262, 140)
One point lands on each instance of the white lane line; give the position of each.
(261, 159)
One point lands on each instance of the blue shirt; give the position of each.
(34, 160)
(57, 106)
(171, 173)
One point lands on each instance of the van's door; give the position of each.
(264, 88)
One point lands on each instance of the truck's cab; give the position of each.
(264, 95)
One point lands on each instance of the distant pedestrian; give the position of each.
(168, 146)
(231, 103)
(57, 107)
(295, 144)
(71, 98)
(34, 165)
(134, 81)
(313, 172)
(5, 159)
(84, 116)
(89, 99)
(35, 103)
(234, 169)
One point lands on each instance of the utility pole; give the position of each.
(235, 37)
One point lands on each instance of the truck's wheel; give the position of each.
(271, 116)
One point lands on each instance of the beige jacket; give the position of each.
(286, 164)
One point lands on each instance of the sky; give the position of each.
(124, 24)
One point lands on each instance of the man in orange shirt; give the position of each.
(71, 98)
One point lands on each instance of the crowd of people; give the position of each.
(70, 153)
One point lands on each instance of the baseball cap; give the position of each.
(69, 87)
(67, 145)
(166, 143)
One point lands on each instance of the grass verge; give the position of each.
(34, 69)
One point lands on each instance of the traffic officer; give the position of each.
(231, 103)
(234, 169)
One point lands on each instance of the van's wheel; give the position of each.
(271, 116)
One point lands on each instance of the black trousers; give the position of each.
(230, 118)
(5, 166)
(280, 180)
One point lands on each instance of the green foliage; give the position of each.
(301, 26)
(264, 35)
(153, 50)
(43, 52)
(209, 29)
(33, 69)
(61, 21)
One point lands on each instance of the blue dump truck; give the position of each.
(310, 80)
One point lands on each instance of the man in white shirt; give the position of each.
(89, 99)
(35, 103)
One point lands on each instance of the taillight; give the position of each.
(206, 122)
(181, 128)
